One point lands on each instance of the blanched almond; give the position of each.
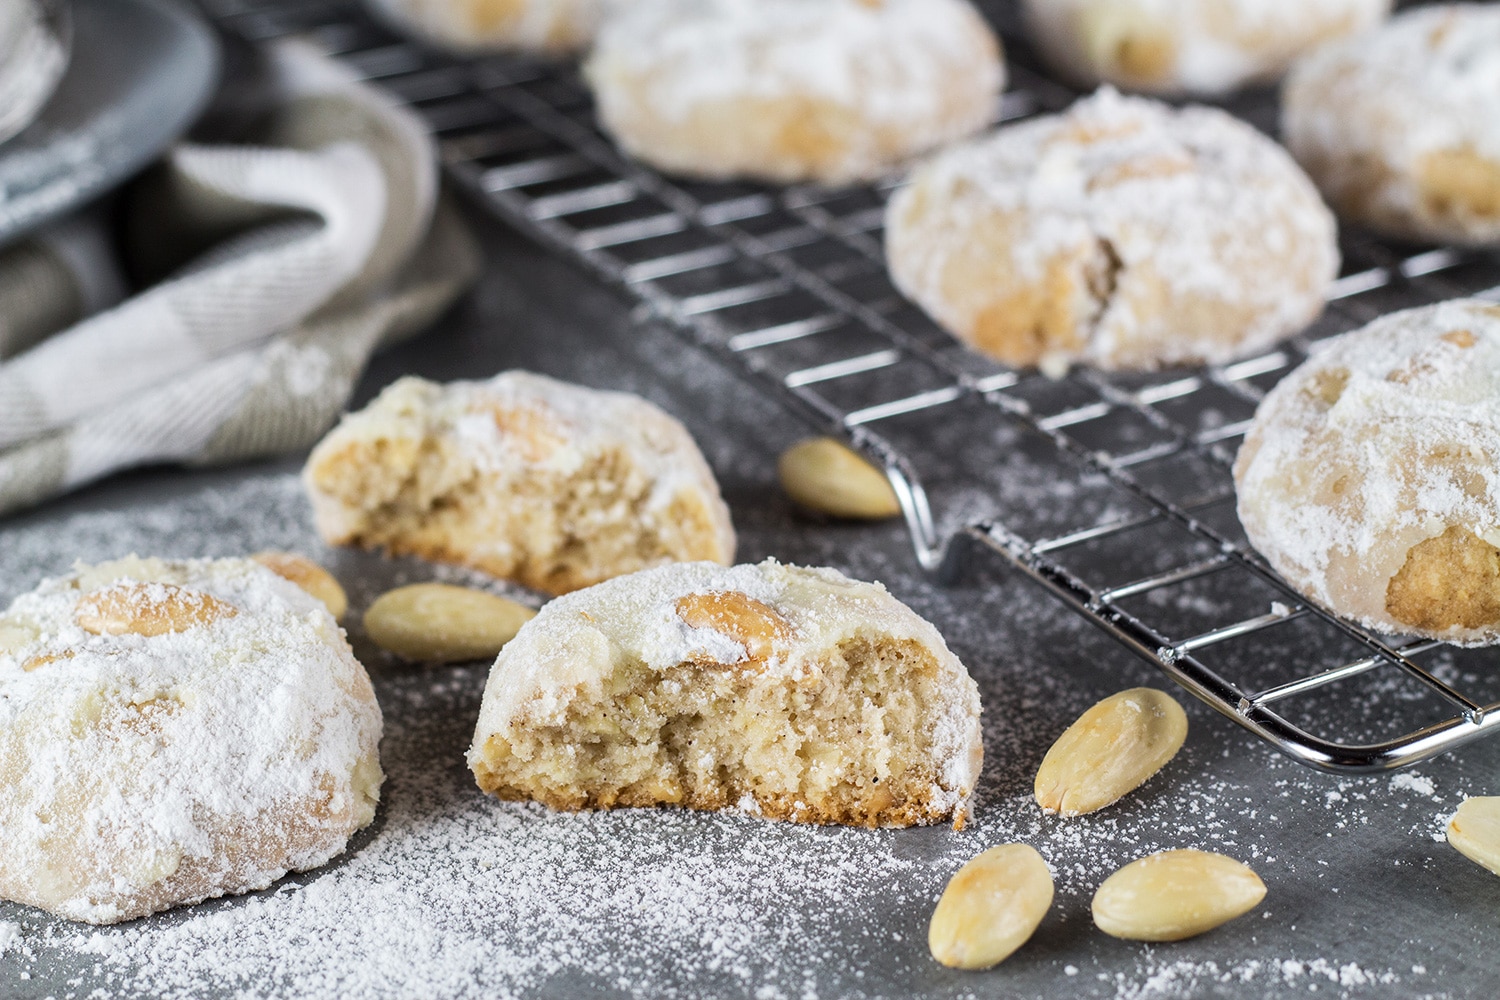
(753, 624)
(440, 623)
(308, 575)
(990, 907)
(148, 609)
(1474, 831)
(826, 475)
(1110, 751)
(1174, 895)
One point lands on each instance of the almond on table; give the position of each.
(1174, 895)
(441, 623)
(828, 476)
(1474, 831)
(990, 908)
(1113, 749)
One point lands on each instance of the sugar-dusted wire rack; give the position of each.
(1113, 492)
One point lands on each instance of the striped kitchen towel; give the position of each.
(284, 265)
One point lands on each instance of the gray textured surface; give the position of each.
(1363, 901)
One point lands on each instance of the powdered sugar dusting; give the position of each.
(1387, 437)
(451, 893)
(1364, 113)
(1206, 48)
(1418, 783)
(1142, 210)
(883, 80)
(128, 761)
(574, 647)
(509, 428)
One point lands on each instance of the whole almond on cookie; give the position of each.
(308, 575)
(148, 609)
(1110, 751)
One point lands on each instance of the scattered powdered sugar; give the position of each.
(409, 911)
(1153, 981)
(1419, 783)
(10, 934)
(452, 893)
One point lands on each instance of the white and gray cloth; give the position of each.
(320, 243)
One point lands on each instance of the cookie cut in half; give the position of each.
(1370, 477)
(173, 731)
(793, 693)
(553, 485)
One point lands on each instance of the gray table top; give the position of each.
(453, 894)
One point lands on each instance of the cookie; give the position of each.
(792, 693)
(1401, 128)
(791, 90)
(553, 485)
(1175, 47)
(552, 27)
(173, 731)
(1370, 478)
(1123, 233)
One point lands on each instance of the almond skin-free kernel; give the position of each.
(1174, 895)
(990, 907)
(825, 475)
(441, 623)
(1110, 751)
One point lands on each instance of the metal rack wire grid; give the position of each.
(1114, 492)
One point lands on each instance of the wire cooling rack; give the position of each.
(1114, 492)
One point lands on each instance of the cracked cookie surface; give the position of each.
(1401, 127)
(792, 90)
(172, 731)
(1370, 478)
(1123, 234)
(1189, 46)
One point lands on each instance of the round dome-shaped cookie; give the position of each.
(1401, 128)
(1189, 46)
(1370, 478)
(794, 693)
(1123, 233)
(173, 731)
(544, 26)
(790, 90)
(554, 485)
